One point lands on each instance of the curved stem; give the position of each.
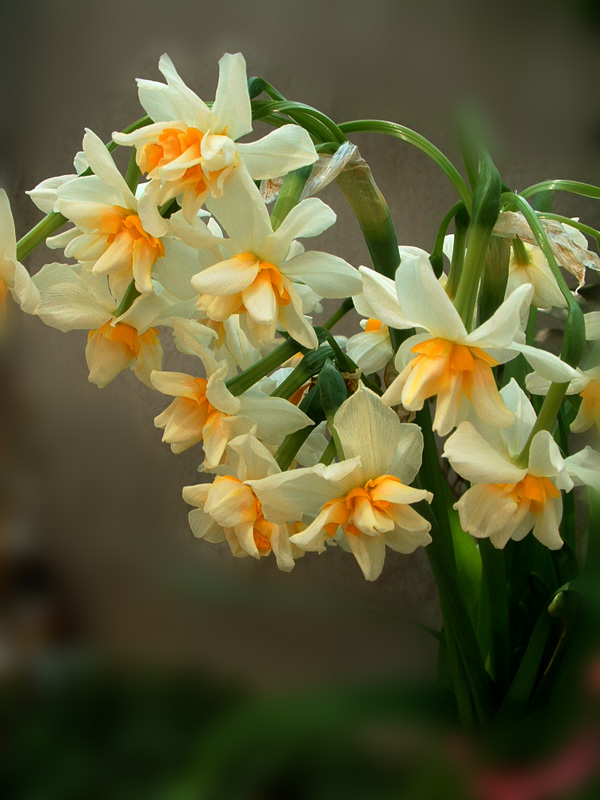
(423, 144)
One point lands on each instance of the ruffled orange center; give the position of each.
(173, 143)
(131, 225)
(268, 278)
(533, 490)
(372, 325)
(440, 362)
(127, 336)
(343, 510)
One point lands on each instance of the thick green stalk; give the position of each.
(461, 228)
(410, 136)
(486, 208)
(373, 215)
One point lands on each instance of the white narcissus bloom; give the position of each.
(366, 497)
(228, 509)
(262, 271)
(507, 500)
(448, 362)
(108, 234)
(372, 349)
(191, 150)
(205, 410)
(73, 298)
(14, 278)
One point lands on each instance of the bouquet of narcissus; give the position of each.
(441, 423)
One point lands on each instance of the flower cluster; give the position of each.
(304, 447)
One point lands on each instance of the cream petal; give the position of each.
(546, 528)
(474, 459)
(227, 277)
(369, 430)
(175, 384)
(274, 416)
(288, 496)
(102, 165)
(327, 275)
(279, 152)
(506, 324)
(371, 351)
(369, 551)
(379, 300)
(424, 302)
(232, 101)
(547, 365)
(259, 300)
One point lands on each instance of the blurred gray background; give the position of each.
(87, 484)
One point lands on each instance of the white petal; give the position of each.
(474, 459)
(72, 299)
(279, 152)
(227, 277)
(369, 551)
(232, 101)
(289, 496)
(547, 365)
(379, 300)
(328, 275)
(275, 417)
(424, 302)
(102, 164)
(369, 430)
(505, 325)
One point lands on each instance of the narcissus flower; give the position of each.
(365, 500)
(73, 298)
(229, 510)
(191, 150)
(507, 500)
(371, 349)
(204, 410)
(14, 278)
(446, 361)
(261, 276)
(109, 235)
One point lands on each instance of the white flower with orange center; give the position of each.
(191, 150)
(507, 500)
(372, 349)
(204, 410)
(73, 298)
(534, 269)
(363, 501)
(264, 272)
(447, 361)
(14, 278)
(229, 510)
(108, 234)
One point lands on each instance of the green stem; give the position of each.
(546, 418)
(574, 187)
(310, 365)
(288, 449)
(131, 294)
(522, 257)
(461, 227)
(38, 234)
(133, 174)
(344, 308)
(437, 254)
(289, 195)
(246, 379)
(328, 453)
(423, 144)
(494, 571)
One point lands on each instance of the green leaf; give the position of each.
(332, 390)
